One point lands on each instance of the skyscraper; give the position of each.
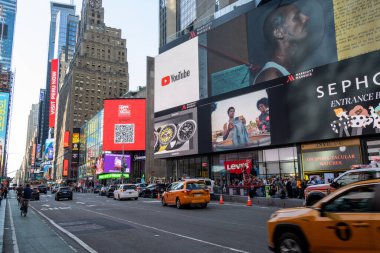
(7, 23)
(99, 70)
(59, 14)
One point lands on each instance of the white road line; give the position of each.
(168, 232)
(72, 236)
(80, 203)
(14, 239)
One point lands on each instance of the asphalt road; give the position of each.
(99, 224)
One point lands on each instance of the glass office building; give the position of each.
(7, 23)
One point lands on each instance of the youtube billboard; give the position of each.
(124, 124)
(176, 77)
(53, 92)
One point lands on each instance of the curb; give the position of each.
(261, 201)
(2, 222)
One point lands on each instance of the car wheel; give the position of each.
(71, 198)
(57, 199)
(290, 242)
(136, 198)
(163, 201)
(118, 196)
(178, 203)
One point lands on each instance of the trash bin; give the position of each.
(231, 191)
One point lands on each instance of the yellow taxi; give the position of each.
(188, 192)
(347, 220)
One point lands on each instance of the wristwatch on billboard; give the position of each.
(185, 132)
(166, 135)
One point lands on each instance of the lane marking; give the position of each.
(72, 236)
(168, 232)
(14, 238)
(80, 203)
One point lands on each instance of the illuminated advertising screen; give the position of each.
(176, 76)
(49, 149)
(53, 91)
(99, 164)
(65, 172)
(124, 124)
(4, 102)
(241, 122)
(114, 162)
(338, 100)
(66, 139)
(176, 134)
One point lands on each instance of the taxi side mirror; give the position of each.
(335, 185)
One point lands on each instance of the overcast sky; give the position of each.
(138, 21)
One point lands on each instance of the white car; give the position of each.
(126, 191)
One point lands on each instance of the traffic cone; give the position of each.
(158, 196)
(249, 202)
(221, 199)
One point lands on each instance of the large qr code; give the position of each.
(124, 133)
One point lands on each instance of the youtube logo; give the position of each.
(165, 80)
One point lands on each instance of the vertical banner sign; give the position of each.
(4, 101)
(53, 92)
(66, 139)
(65, 168)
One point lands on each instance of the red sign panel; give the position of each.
(66, 139)
(238, 166)
(53, 91)
(65, 168)
(124, 125)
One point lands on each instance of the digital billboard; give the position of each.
(176, 76)
(99, 164)
(338, 100)
(49, 149)
(53, 91)
(4, 102)
(176, 134)
(114, 162)
(241, 122)
(124, 124)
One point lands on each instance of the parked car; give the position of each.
(103, 191)
(140, 187)
(314, 193)
(110, 190)
(42, 189)
(347, 220)
(98, 188)
(126, 191)
(188, 192)
(152, 190)
(64, 193)
(35, 194)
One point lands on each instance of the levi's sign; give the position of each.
(175, 77)
(238, 166)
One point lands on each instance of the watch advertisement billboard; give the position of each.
(114, 163)
(124, 124)
(176, 76)
(4, 103)
(176, 134)
(241, 122)
(53, 91)
(338, 100)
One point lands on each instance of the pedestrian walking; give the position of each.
(5, 192)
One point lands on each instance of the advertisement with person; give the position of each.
(176, 134)
(286, 37)
(338, 100)
(241, 122)
(99, 164)
(114, 163)
(124, 124)
(176, 76)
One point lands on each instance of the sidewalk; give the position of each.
(2, 222)
(261, 201)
